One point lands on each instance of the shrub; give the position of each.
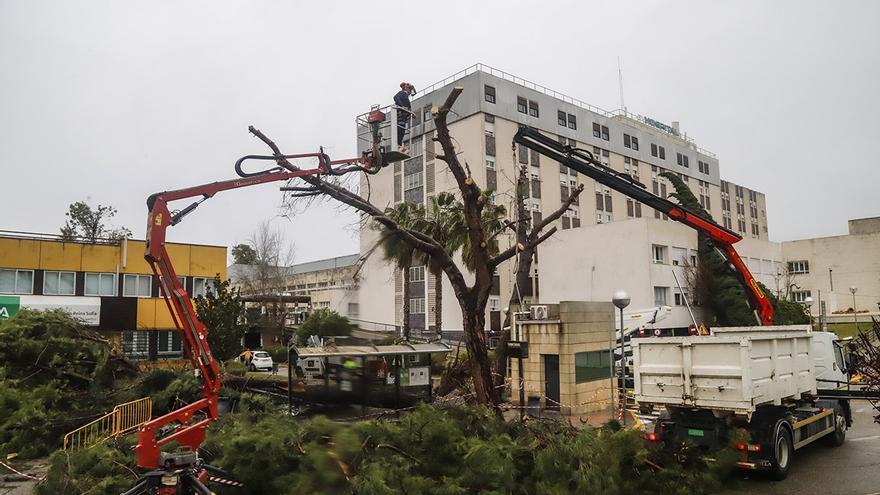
(323, 323)
(278, 353)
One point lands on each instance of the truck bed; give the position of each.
(733, 369)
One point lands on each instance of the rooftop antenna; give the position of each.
(620, 84)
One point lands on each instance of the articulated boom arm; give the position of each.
(193, 332)
(582, 161)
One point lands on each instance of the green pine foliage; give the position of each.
(717, 287)
(52, 372)
(430, 450)
(222, 312)
(786, 312)
(323, 323)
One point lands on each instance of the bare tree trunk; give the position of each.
(475, 341)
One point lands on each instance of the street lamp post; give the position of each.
(621, 300)
(853, 289)
(808, 302)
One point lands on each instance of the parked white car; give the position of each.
(261, 360)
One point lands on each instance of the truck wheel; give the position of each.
(782, 452)
(837, 438)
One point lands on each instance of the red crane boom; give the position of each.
(582, 161)
(187, 424)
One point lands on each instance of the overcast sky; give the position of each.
(111, 101)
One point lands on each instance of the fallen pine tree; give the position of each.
(430, 450)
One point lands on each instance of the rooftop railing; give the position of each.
(619, 113)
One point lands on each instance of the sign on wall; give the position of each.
(85, 309)
(415, 377)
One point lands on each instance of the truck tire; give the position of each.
(781, 451)
(836, 438)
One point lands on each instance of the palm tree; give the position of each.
(399, 252)
(443, 222)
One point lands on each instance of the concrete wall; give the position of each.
(844, 261)
(591, 263)
(863, 226)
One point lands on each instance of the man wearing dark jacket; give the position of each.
(401, 99)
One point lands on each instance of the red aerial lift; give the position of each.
(582, 161)
(182, 472)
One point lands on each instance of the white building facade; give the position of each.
(484, 119)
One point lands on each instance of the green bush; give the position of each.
(236, 368)
(278, 353)
(323, 323)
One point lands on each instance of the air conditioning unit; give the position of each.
(538, 312)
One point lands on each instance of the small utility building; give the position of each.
(568, 363)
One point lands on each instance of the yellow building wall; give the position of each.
(100, 258)
(152, 313)
(207, 261)
(146, 313)
(61, 256)
(19, 253)
(134, 261)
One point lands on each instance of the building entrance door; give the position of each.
(551, 381)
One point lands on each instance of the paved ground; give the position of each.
(12, 484)
(851, 469)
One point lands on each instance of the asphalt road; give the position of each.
(851, 469)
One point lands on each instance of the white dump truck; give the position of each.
(762, 381)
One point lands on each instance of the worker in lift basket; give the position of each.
(401, 99)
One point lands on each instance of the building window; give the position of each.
(136, 285)
(100, 284)
(597, 130)
(489, 118)
(417, 305)
(426, 113)
(169, 344)
(417, 274)
(800, 296)
(489, 92)
(683, 160)
(136, 344)
(533, 108)
(59, 283)
(201, 286)
(661, 296)
(494, 303)
(703, 166)
(606, 135)
(659, 254)
(590, 366)
(801, 266)
(679, 256)
(653, 149)
(572, 122)
(490, 163)
(560, 118)
(522, 105)
(631, 142)
(16, 281)
(679, 297)
(412, 181)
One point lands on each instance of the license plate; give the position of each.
(696, 433)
